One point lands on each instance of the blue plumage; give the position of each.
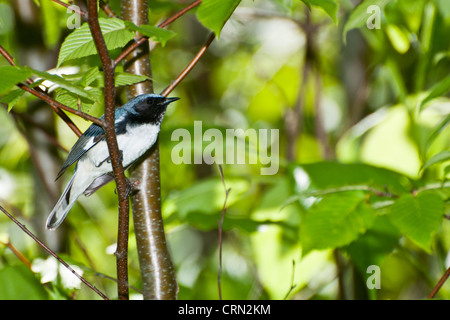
(137, 124)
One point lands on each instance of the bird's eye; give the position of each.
(150, 102)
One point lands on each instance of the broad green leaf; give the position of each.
(326, 175)
(336, 221)
(373, 246)
(80, 43)
(363, 12)
(329, 6)
(439, 157)
(61, 82)
(213, 14)
(418, 217)
(10, 76)
(75, 102)
(156, 34)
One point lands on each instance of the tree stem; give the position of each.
(157, 272)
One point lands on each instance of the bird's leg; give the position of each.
(130, 187)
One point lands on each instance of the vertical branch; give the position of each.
(110, 135)
(157, 272)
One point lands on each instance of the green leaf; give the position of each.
(213, 14)
(156, 34)
(80, 44)
(359, 16)
(336, 221)
(439, 89)
(439, 157)
(373, 246)
(122, 79)
(10, 76)
(437, 130)
(19, 283)
(73, 101)
(329, 6)
(63, 83)
(12, 97)
(418, 217)
(326, 175)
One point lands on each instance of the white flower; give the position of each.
(50, 268)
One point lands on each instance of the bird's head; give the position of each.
(149, 107)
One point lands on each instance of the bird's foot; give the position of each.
(131, 188)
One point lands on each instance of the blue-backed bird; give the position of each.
(137, 124)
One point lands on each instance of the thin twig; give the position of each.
(164, 24)
(57, 106)
(39, 242)
(113, 148)
(17, 253)
(72, 7)
(439, 284)
(220, 223)
(191, 65)
(103, 5)
(293, 285)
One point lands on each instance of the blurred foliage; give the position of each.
(359, 93)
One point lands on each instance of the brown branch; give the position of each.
(57, 106)
(39, 242)
(107, 9)
(74, 9)
(164, 24)
(111, 140)
(103, 5)
(439, 284)
(17, 253)
(190, 66)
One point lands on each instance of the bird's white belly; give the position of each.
(133, 145)
(138, 140)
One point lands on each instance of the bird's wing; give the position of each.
(93, 135)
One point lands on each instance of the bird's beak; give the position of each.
(169, 100)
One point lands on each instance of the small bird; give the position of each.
(137, 124)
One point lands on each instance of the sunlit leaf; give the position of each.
(80, 43)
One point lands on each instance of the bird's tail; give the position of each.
(62, 207)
